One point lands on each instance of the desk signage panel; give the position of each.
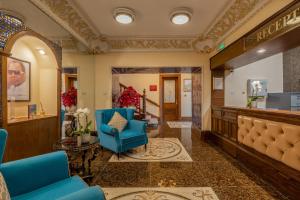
(281, 24)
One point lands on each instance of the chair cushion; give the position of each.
(129, 136)
(118, 122)
(4, 194)
(55, 190)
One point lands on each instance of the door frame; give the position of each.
(161, 92)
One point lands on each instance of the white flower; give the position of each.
(86, 111)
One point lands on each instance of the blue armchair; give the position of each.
(133, 135)
(44, 177)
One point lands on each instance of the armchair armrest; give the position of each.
(108, 130)
(137, 125)
(90, 193)
(28, 174)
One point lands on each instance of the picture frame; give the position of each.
(257, 87)
(18, 80)
(187, 85)
(32, 110)
(218, 83)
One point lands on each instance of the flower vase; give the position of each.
(79, 140)
(86, 138)
(254, 104)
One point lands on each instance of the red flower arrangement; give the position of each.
(69, 98)
(129, 97)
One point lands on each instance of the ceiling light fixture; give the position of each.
(181, 16)
(261, 51)
(124, 15)
(42, 51)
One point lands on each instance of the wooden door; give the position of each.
(170, 97)
(70, 81)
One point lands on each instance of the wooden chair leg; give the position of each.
(145, 147)
(118, 156)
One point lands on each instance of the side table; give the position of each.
(69, 144)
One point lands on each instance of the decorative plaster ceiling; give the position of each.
(92, 23)
(35, 18)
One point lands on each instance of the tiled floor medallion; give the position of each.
(161, 193)
(179, 124)
(158, 150)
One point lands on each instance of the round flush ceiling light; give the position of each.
(181, 16)
(124, 15)
(261, 51)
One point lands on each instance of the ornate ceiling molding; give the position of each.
(235, 15)
(64, 13)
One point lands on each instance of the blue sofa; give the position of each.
(133, 135)
(44, 177)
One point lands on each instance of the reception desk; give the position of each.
(266, 141)
(30, 137)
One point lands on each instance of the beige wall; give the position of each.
(143, 81)
(103, 76)
(43, 76)
(86, 79)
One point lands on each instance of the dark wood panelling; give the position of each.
(285, 179)
(152, 70)
(232, 51)
(217, 96)
(280, 44)
(30, 138)
(196, 99)
(237, 55)
(224, 134)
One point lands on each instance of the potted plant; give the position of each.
(251, 102)
(69, 100)
(83, 126)
(252, 99)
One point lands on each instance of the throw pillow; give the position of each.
(118, 122)
(4, 194)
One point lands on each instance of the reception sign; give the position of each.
(281, 24)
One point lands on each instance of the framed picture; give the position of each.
(18, 80)
(218, 83)
(257, 87)
(32, 110)
(187, 85)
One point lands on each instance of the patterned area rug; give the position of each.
(179, 124)
(161, 193)
(158, 150)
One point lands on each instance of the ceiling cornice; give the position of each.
(67, 15)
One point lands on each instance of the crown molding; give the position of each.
(67, 14)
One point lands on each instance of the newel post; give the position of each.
(144, 103)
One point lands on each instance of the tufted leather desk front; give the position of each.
(277, 140)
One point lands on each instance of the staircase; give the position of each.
(142, 113)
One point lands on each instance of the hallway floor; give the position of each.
(210, 168)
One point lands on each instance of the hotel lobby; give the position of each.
(150, 100)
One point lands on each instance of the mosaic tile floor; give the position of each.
(158, 150)
(160, 193)
(179, 124)
(210, 168)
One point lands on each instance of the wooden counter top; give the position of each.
(264, 110)
(291, 117)
(26, 119)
